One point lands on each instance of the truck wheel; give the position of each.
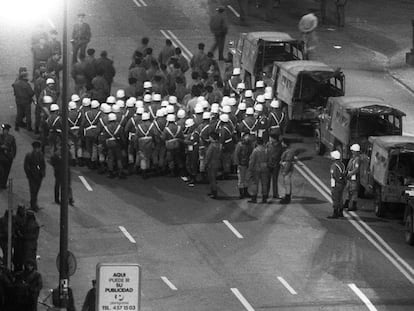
(379, 205)
(409, 230)
(319, 146)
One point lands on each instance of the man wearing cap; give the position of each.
(8, 151)
(158, 155)
(352, 179)
(49, 90)
(54, 124)
(259, 90)
(262, 127)
(74, 141)
(35, 169)
(219, 28)
(23, 94)
(90, 132)
(204, 131)
(107, 66)
(144, 138)
(337, 172)
(173, 137)
(191, 142)
(129, 132)
(226, 140)
(81, 36)
(277, 119)
(242, 153)
(233, 82)
(112, 134)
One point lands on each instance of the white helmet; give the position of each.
(242, 106)
(130, 102)
(140, 110)
(215, 106)
(231, 101)
(75, 98)
(156, 97)
(50, 81)
(86, 102)
(47, 99)
(120, 103)
(181, 114)
(71, 105)
(147, 84)
(260, 99)
(206, 115)
(147, 98)
(189, 123)
(171, 118)
(336, 155)
(241, 86)
(268, 96)
(112, 117)
(164, 103)
(355, 147)
(224, 117)
(134, 99)
(204, 104)
(236, 71)
(260, 84)
(258, 107)
(200, 99)
(120, 93)
(95, 104)
(224, 101)
(249, 111)
(139, 104)
(275, 103)
(226, 109)
(106, 108)
(215, 109)
(145, 116)
(115, 108)
(198, 108)
(111, 100)
(248, 93)
(170, 109)
(159, 113)
(172, 100)
(164, 111)
(54, 107)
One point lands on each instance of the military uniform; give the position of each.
(90, 133)
(242, 157)
(144, 137)
(259, 173)
(212, 161)
(191, 142)
(175, 153)
(159, 153)
(112, 135)
(35, 169)
(337, 172)
(352, 183)
(75, 143)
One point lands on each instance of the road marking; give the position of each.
(176, 44)
(140, 3)
(169, 283)
(51, 24)
(286, 284)
(362, 296)
(127, 235)
(180, 43)
(359, 224)
(234, 230)
(233, 10)
(243, 300)
(85, 183)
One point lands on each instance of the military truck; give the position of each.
(347, 120)
(255, 52)
(387, 170)
(303, 87)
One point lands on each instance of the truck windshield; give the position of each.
(268, 52)
(363, 126)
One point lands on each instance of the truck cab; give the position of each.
(255, 52)
(303, 87)
(348, 120)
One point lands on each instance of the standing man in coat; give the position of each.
(259, 171)
(23, 93)
(81, 36)
(337, 184)
(7, 154)
(107, 66)
(212, 162)
(274, 152)
(352, 179)
(219, 28)
(286, 169)
(35, 169)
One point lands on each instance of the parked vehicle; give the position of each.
(304, 87)
(255, 52)
(387, 170)
(348, 120)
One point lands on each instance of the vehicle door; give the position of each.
(337, 84)
(295, 50)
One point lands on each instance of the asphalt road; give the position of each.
(200, 254)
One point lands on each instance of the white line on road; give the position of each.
(313, 183)
(362, 296)
(51, 24)
(233, 10)
(137, 3)
(180, 43)
(286, 284)
(175, 43)
(143, 3)
(243, 300)
(234, 230)
(169, 283)
(85, 183)
(127, 235)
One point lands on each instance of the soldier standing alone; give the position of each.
(352, 183)
(81, 36)
(35, 169)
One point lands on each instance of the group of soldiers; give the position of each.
(194, 139)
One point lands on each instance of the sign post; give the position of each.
(118, 287)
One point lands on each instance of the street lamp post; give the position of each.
(63, 249)
(409, 57)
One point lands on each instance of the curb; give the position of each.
(401, 82)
